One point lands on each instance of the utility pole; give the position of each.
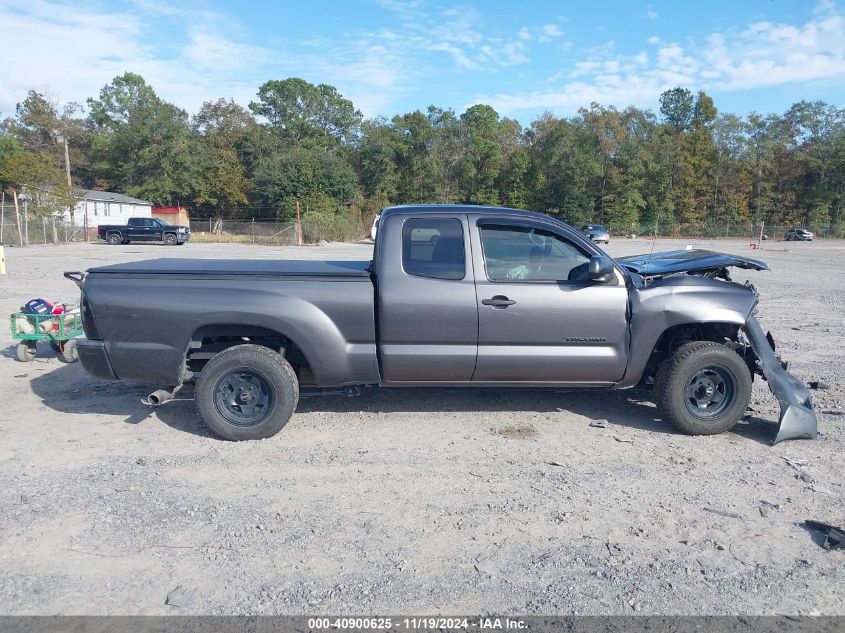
(298, 224)
(17, 215)
(67, 163)
(63, 139)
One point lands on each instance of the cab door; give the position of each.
(427, 311)
(137, 229)
(540, 318)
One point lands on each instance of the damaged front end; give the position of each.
(681, 287)
(797, 416)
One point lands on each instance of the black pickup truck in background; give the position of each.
(144, 230)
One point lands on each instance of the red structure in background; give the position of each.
(172, 215)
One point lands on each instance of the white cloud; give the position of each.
(763, 54)
(544, 33)
(70, 51)
(650, 13)
(550, 31)
(405, 8)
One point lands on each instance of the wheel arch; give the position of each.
(210, 339)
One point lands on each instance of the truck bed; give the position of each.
(149, 312)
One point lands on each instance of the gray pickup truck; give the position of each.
(455, 296)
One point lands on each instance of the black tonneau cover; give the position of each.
(279, 267)
(697, 260)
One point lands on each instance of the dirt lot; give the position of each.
(419, 501)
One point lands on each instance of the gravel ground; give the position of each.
(419, 501)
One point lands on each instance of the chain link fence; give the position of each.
(31, 229)
(54, 229)
(727, 230)
(38, 229)
(245, 231)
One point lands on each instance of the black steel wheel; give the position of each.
(244, 397)
(703, 388)
(710, 391)
(247, 392)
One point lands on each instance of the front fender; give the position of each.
(680, 300)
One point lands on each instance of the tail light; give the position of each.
(88, 323)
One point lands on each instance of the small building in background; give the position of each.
(172, 215)
(107, 207)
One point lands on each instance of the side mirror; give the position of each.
(601, 268)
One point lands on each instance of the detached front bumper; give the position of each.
(94, 360)
(797, 416)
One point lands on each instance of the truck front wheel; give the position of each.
(703, 388)
(170, 239)
(247, 392)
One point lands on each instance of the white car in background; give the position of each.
(374, 228)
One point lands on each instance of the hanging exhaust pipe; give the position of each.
(159, 397)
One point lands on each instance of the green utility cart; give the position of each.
(60, 329)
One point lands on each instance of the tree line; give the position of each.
(686, 164)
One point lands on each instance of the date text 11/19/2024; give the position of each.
(417, 623)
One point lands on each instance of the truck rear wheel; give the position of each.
(247, 392)
(114, 239)
(703, 388)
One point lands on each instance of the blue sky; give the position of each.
(395, 56)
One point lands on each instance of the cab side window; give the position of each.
(526, 253)
(433, 248)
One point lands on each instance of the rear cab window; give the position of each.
(434, 248)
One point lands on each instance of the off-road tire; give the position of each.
(170, 239)
(272, 370)
(25, 351)
(680, 369)
(114, 239)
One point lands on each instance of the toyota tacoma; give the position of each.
(455, 296)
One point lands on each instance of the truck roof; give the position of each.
(404, 209)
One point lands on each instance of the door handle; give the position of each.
(499, 301)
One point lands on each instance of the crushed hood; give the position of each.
(693, 261)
